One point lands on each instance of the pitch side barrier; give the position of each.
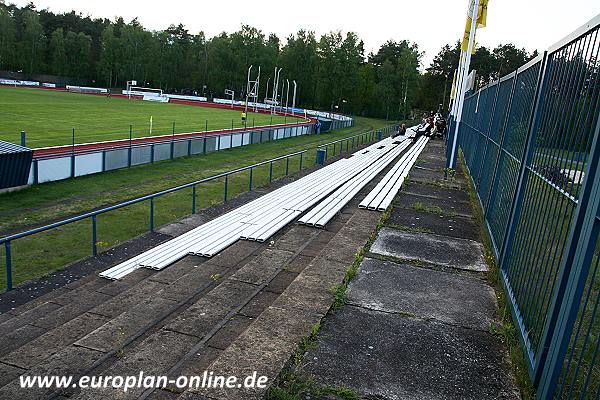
(53, 164)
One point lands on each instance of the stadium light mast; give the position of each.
(248, 88)
(281, 97)
(256, 91)
(267, 90)
(294, 97)
(275, 89)
(287, 95)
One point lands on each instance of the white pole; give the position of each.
(465, 73)
(247, 89)
(267, 91)
(458, 83)
(281, 103)
(294, 97)
(256, 91)
(287, 95)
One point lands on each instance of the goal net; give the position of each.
(144, 91)
(86, 89)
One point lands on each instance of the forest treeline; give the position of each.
(332, 71)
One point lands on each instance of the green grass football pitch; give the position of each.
(49, 117)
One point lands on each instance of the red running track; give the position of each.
(84, 148)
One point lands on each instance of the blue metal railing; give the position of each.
(530, 142)
(343, 145)
(7, 241)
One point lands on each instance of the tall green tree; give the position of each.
(32, 43)
(58, 56)
(7, 38)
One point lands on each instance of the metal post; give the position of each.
(36, 170)
(301, 157)
(9, 280)
(226, 187)
(73, 154)
(129, 149)
(194, 199)
(152, 214)
(287, 165)
(206, 126)
(23, 139)
(94, 247)
(294, 97)
(250, 185)
(270, 171)
(463, 89)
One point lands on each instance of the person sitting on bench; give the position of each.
(423, 130)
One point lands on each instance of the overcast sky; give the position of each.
(533, 24)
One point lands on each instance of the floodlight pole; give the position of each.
(275, 83)
(294, 97)
(267, 90)
(256, 91)
(287, 95)
(247, 89)
(282, 89)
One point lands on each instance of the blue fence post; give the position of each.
(73, 154)
(152, 214)
(194, 199)
(94, 240)
(129, 149)
(321, 155)
(36, 172)
(9, 280)
(23, 139)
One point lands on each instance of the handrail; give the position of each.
(143, 198)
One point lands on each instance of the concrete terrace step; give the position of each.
(418, 317)
(245, 308)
